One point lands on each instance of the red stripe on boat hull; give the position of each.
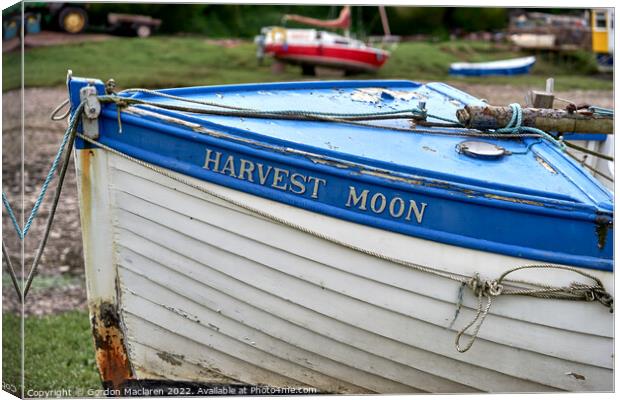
(336, 57)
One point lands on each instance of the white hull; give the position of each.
(596, 163)
(533, 41)
(206, 289)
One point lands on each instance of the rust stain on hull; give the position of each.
(85, 182)
(111, 354)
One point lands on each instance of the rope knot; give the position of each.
(487, 288)
(592, 293)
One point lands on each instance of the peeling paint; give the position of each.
(182, 313)
(513, 200)
(375, 95)
(603, 224)
(330, 163)
(577, 376)
(388, 175)
(173, 359)
(545, 164)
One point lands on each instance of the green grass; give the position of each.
(59, 352)
(43, 282)
(166, 61)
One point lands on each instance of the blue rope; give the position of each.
(605, 112)
(50, 175)
(9, 209)
(514, 126)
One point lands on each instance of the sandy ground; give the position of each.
(60, 281)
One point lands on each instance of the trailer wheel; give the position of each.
(143, 31)
(73, 20)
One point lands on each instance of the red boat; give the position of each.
(310, 48)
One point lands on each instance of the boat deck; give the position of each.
(534, 169)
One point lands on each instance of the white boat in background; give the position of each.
(275, 252)
(533, 40)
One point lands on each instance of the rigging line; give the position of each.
(574, 157)
(588, 151)
(312, 117)
(11, 270)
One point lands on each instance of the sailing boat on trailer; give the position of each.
(310, 48)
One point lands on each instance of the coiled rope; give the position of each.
(515, 126)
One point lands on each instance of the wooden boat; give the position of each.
(515, 66)
(283, 252)
(311, 47)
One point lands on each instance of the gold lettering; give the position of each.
(373, 203)
(277, 178)
(355, 199)
(246, 168)
(215, 161)
(419, 214)
(401, 207)
(262, 175)
(317, 182)
(299, 184)
(229, 167)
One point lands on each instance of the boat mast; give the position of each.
(342, 22)
(385, 23)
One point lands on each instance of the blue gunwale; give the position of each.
(526, 194)
(566, 206)
(594, 186)
(562, 210)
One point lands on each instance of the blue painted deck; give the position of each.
(535, 203)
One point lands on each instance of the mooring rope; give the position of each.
(481, 288)
(66, 147)
(11, 270)
(515, 126)
(48, 179)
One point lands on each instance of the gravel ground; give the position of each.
(62, 261)
(50, 38)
